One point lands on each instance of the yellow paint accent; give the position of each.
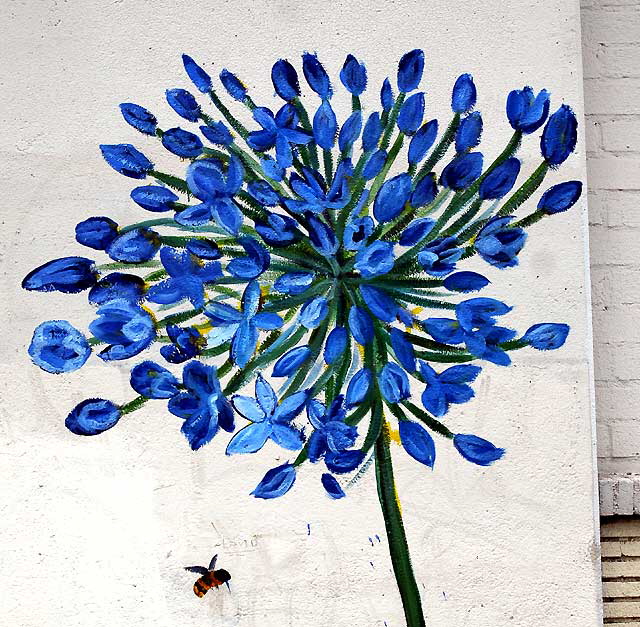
(394, 435)
(361, 351)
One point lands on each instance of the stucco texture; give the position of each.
(96, 531)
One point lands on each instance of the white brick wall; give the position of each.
(611, 50)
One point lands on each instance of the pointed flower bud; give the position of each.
(422, 141)
(411, 114)
(184, 104)
(126, 160)
(360, 325)
(331, 485)
(138, 117)
(425, 192)
(463, 96)
(410, 70)
(372, 132)
(418, 443)
(498, 182)
(375, 259)
(316, 75)
(285, 80)
(394, 383)
(546, 336)
(92, 417)
(277, 482)
(392, 197)
(57, 346)
(462, 171)
(358, 388)
(182, 143)
(350, 131)
(476, 450)
(197, 75)
(526, 111)
(469, 132)
(386, 95)
(559, 137)
(96, 233)
(325, 126)
(354, 75)
(465, 282)
(69, 275)
(291, 361)
(233, 85)
(154, 198)
(560, 197)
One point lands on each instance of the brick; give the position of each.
(620, 528)
(606, 497)
(611, 246)
(620, 135)
(618, 362)
(622, 207)
(625, 440)
(620, 589)
(620, 569)
(593, 135)
(615, 401)
(620, 26)
(623, 496)
(612, 96)
(614, 172)
(611, 549)
(615, 287)
(624, 609)
(630, 548)
(611, 323)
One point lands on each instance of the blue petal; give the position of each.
(394, 383)
(293, 282)
(422, 141)
(463, 97)
(417, 442)
(287, 437)
(249, 408)
(250, 439)
(291, 361)
(358, 388)
(403, 349)
(332, 487)
(477, 450)
(325, 126)
(336, 344)
(465, 282)
(138, 117)
(344, 461)
(392, 197)
(361, 325)
(416, 231)
(381, 305)
(372, 132)
(411, 114)
(276, 482)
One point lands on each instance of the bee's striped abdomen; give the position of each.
(205, 583)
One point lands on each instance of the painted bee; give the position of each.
(210, 578)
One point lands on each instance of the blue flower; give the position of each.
(153, 381)
(187, 278)
(498, 182)
(354, 75)
(447, 387)
(203, 407)
(217, 133)
(313, 312)
(526, 111)
(394, 383)
(242, 326)
(462, 171)
(372, 132)
(278, 231)
(358, 387)
(285, 80)
(269, 420)
(69, 275)
(154, 198)
(117, 286)
(560, 197)
(477, 450)
(316, 75)
(331, 436)
(336, 344)
(312, 192)
(280, 131)
(350, 131)
(96, 233)
(185, 344)
(375, 259)
(546, 336)
(422, 141)
(499, 244)
(392, 197)
(416, 231)
(417, 442)
(410, 70)
(360, 325)
(209, 182)
(356, 233)
(126, 160)
(134, 246)
(465, 282)
(322, 237)
(92, 417)
(291, 361)
(138, 117)
(438, 258)
(293, 282)
(198, 76)
(469, 132)
(57, 346)
(276, 482)
(403, 349)
(411, 114)
(381, 305)
(204, 248)
(264, 193)
(374, 165)
(184, 104)
(233, 85)
(125, 327)
(331, 485)
(463, 96)
(325, 126)
(182, 143)
(425, 191)
(254, 264)
(559, 137)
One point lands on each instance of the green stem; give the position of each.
(398, 547)
(442, 147)
(136, 403)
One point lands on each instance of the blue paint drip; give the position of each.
(308, 529)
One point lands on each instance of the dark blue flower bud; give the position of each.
(374, 164)
(127, 160)
(322, 237)
(117, 286)
(465, 282)
(425, 192)
(410, 70)
(499, 182)
(197, 75)
(477, 450)
(394, 383)
(332, 487)
(204, 248)
(293, 282)
(153, 381)
(358, 388)
(546, 336)
(316, 75)
(285, 80)
(350, 131)
(499, 244)
(411, 114)
(560, 197)
(336, 344)
(233, 85)
(96, 233)
(277, 482)
(263, 193)
(360, 325)
(57, 346)
(325, 126)
(375, 259)
(92, 416)
(463, 97)
(386, 95)
(154, 198)
(138, 117)
(354, 75)
(343, 462)
(182, 143)
(462, 171)
(469, 132)
(403, 349)
(291, 361)
(380, 304)
(392, 197)
(559, 137)
(526, 111)
(184, 104)
(69, 275)
(134, 246)
(417, 441)
(422, 141)
(372, 132)
(217, 133)
(416, 231)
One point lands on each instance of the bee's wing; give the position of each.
(200, 570)
(212, 563)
